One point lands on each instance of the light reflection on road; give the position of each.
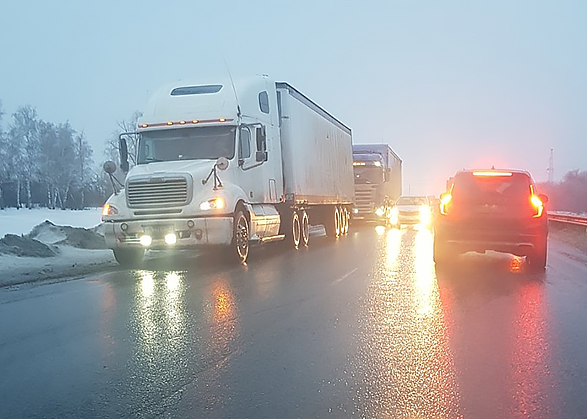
(530, 363)
(405, 358)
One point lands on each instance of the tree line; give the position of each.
(44, 164)
(570, 194)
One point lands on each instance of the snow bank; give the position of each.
(42, 244)
(22, 221)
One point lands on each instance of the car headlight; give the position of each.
(109, 210)
(425, 214)
(212, 204)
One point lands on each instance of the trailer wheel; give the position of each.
(332, 222)
(296, 230)
(345, 221)
(305, 227)
(240, 240)
(129, 258)
(337, 222)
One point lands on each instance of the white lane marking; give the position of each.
(345, 276)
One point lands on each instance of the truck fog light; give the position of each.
(124, 226)
(191, 223)
(146, 240)
(170, 238)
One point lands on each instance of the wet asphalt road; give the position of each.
(358, 327)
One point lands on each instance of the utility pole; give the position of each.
(550, 169)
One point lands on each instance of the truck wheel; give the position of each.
(345, 221)
(240, 240)
(537, 259)
(296, 230)
(305, 228)
(332, 222)
(129, 257)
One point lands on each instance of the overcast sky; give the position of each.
(448, 84)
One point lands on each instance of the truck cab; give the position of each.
(377, 177)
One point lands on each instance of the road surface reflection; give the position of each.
(405, 356)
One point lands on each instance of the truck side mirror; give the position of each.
(123, 154)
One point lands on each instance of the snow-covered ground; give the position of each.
(69, 261)
(22, 221)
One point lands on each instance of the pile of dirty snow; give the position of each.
(44, 239)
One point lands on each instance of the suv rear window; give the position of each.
(473, 188)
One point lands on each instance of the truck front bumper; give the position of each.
(188, 232)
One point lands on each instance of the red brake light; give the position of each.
(444, 201)
(538, 206)
(492, 173)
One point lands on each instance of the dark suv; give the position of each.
(492, 210)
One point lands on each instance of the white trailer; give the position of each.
(231, 163)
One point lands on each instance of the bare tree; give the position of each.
(112, 150)
(24, 139)
(4, 159)
(83, 153)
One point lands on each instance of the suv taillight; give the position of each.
(537, 205)
(444, 203)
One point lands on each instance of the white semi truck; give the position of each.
(378, 181)
(230, 163)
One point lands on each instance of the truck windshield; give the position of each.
(187, 144)
(368, 174)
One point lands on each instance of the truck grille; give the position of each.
(364, 200)
(157, 191)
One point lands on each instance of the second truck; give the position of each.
(378, 181)
(230, 163)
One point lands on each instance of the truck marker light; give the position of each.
(169, 123)
(181, 122)
(492, 174)
(170, 238)
(144, 125)
(146, 240)
(222, 120)
(377, 163)
(358, 163)
(195, 121)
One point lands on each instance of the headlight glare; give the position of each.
(108, 210)
(212, 204)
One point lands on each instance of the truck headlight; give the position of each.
(212, 204)
(108, 210)
(380, 211)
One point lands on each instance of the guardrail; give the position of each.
(568, 219)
